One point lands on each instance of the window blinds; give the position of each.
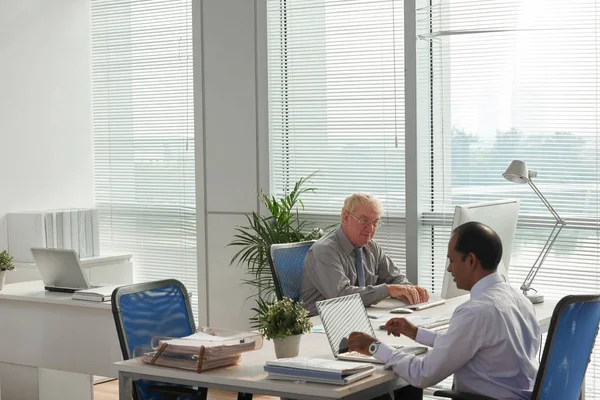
(508, 80)
(144, 135)
(336, 106)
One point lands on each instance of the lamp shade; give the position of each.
(517, 172)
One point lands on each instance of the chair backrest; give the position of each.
(287, 263)
(571, 337)
(145, 310)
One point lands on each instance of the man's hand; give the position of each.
(408, 293)
(423, 293)
(360, 342)
(400, 326)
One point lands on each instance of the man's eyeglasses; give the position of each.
(376, 223)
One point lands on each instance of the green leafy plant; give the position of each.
(282, 225)
(281, 318)
(6, 263)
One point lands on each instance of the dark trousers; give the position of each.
(406, 393)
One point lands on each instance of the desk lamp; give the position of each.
(517, 172)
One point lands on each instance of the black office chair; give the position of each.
(571, 337)
(287, 264)
(145, 310)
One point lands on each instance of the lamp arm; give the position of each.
(526, 285)
(548, 206)
(560, 223)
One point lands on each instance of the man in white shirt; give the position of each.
(493, 339)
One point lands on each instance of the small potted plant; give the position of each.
(6, 264)
(284, 321)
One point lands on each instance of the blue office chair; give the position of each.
(571, 337)
(287, 263)
(145, 310)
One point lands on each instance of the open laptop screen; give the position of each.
(340, 317)
(60, 269)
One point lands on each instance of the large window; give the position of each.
(336, 106)
(496, 81)
(506, 80)
(144, 135)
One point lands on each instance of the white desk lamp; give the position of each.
(517, 172)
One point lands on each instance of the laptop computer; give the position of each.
(60, 270)
(341, 316)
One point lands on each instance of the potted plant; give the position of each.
(282, 225)
(6, 264)
(284, 321)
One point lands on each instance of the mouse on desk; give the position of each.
(401, 310)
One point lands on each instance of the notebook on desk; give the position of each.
(343, 315)
(60, 270)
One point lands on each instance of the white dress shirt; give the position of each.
(490, 346)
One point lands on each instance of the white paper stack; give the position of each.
(98, 294)
(317, 370)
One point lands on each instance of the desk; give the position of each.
(51, 344)
(249, 377)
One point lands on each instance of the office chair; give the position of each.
(145, 310)
(287, 263)
(570, 341)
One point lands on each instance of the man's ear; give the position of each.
(472, 259)
(345, 216)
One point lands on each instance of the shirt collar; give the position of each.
(485, 283)
(347, 246)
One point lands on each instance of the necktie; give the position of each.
(360, 269)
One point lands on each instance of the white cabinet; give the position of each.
(112, 269)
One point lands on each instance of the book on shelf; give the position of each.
(317, 370)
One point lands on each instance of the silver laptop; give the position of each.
(60, 270)
(343, 315)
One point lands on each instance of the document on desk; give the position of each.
(98, 294)
(319, 364)
(317, 370)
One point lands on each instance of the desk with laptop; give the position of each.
(250, 377)
(54, 345)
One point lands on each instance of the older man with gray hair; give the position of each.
(348, 261)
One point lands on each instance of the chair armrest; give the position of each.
(451, 394)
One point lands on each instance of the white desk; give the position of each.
(51, 344)
(249, 377)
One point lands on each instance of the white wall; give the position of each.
(45, 106)
(230, 72)
(45, 121)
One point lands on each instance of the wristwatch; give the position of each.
(373, 347)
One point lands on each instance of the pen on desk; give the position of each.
(372, 316)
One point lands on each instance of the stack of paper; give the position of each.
(96, 294)
(317, 370)
(202, 351)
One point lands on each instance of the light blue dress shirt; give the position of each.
(490, 346)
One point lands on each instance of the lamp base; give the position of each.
(535, 298)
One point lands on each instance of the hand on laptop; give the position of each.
(360, 342)
(408, 293)
(401, 326)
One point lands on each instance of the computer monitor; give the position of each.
(499, 215)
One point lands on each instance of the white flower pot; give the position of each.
(287, 347)
(2, 279)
